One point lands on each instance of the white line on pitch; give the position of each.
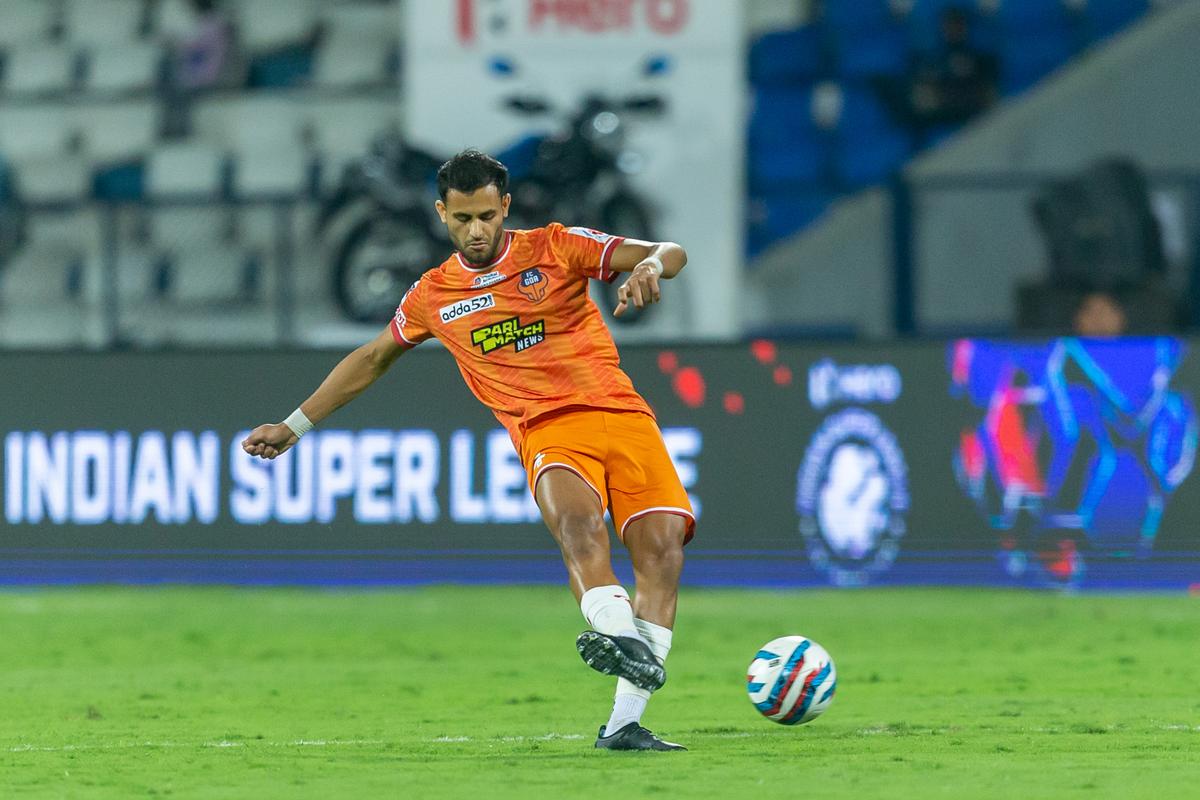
(32, 748)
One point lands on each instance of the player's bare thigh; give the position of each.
(575, 517)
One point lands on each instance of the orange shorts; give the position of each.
(619, 454)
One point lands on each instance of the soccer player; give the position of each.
(513, 309)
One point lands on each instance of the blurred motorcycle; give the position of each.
(578, 174)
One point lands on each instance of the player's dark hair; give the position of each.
(471, 170)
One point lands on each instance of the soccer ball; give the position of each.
(791, 680)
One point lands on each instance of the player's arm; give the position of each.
(348, 380)
(646, 263)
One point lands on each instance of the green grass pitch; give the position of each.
(478, 693)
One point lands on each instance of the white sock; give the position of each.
(608, 610)
(630, 701)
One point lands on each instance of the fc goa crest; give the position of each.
(532, 284)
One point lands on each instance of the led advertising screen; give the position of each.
(1056, 463)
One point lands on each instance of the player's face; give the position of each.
(475, 221)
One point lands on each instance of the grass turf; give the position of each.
(478, 692)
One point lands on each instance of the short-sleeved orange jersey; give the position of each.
(527, 337)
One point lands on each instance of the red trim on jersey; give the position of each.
(398, 334)
(606, 274)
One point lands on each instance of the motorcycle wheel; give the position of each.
(378, 260)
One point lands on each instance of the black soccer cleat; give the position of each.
(633, 737)
(622, 656)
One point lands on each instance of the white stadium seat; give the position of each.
(192, 168)
(39, 69)
(25, 21)
(182, 229)
(102, 21)
(344, 128)
(251, 122)
(349, 60)
(35, 131)
(116, 131)
(129, 67)
(365, 19)
(266, 171)
(266, 25)
(56, 179)
(210, 276)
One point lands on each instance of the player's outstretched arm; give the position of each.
(349, 378)
(646, 263)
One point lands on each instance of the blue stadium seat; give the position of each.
(801, 161)
(925, 19)
(778, 214)
(857, 16)
(862, 110)
(869, 157)
(778, 113)
(1027, 15)
(1106, 17)
(1025, 60)
(782, 58)
(883, 52)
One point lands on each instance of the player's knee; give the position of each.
(583, 536)
(657, 546)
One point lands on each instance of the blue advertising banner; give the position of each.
(1058, 463)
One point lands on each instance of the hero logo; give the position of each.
(464, 308)
(490, 278)
(852, 495)
(664, 17)
(829, 383)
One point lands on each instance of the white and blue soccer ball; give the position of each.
(791, 680)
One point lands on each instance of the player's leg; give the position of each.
(655, 543)
(573, 512)
(654, 519)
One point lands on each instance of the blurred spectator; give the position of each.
(203, 53)
(954, 82)
(1099, 314)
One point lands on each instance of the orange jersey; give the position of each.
(527, 337)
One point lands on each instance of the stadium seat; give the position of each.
(1025, 60)
(853, 17)
(343, 129)
(868, 158)
(882, 52)
(25, 21)
(251, 121)
(102, 22)
(269, 25)
(54, 179)
(803, 160)
(213, 275)
(113, 132)
(40, 305)
(345, 61)
(39, 69)
(786, 58)
(925, 21)
(362, 18)
(776, 215)
(30, 131)
(124, 68)
(1103, 18)
(190, 168)
(863, 111)
(270, 171)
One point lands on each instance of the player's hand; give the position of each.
(641, 288)
(269, 441)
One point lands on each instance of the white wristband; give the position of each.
(657, 262)
(299, 423)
